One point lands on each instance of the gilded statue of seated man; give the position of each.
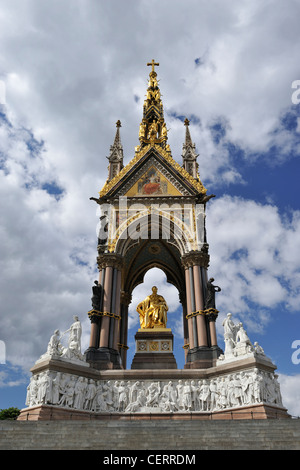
(153, 311)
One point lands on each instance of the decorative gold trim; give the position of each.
(195, 314)
(123, 346)
(110, 184)
(154, 346)
(195, 183)
(206, 312)
(98, 314)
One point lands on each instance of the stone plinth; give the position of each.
(154, 349)
(243, 389)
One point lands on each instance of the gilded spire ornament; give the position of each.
(153, 64)
(153, 128)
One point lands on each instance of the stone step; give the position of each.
(146, 435)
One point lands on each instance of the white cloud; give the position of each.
(251, 256)
(290, 391)
(41, 249)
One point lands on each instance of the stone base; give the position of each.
(103, 358)
(202, 357)
(154, 349)
(49, 412)
(154, 361)
(61, 390)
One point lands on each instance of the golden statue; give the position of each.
(153, 311)
(153, 128)
(142, 131)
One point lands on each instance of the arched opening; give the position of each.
(156, 276)
(152, 246)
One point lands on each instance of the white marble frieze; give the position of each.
(247, 387)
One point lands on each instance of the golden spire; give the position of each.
(153, 128)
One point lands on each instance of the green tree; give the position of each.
(9, 413)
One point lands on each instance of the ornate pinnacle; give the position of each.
(188, 140)
(116, 150)
(189, 155)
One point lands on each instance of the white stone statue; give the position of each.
(54, 348)
(243, 344)
(73, 350)
(237, 343)
(229, 336)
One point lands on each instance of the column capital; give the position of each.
(94, 316)
(196, 258)
(114, 260)
(211, 314)
(125, 298)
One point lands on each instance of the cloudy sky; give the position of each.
(68, 71)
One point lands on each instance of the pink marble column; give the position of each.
(104, 333)
(213, 333)
(189, 308)
(117, 312)
(123, 336)
(94, 335)
(201, 325)
(125, 301)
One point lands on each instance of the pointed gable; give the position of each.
(156, 166)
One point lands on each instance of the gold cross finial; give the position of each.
(153, 63)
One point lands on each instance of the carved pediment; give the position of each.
(153, 172)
